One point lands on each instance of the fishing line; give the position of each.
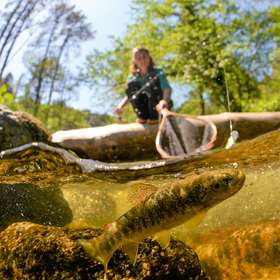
(233, 133)
(228, 101)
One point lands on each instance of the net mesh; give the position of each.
(180, 135)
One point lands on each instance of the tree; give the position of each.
(64, 30)
(199, 42)
(17, 20)
(270, 86)
(76, 30)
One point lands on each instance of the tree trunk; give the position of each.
(55, 75)
(201, 101)
(8, 21)
(11, 29)
(15, 38)
(41, 72)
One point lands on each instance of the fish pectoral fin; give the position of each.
(163, 238)
(196, 220)
(184, 231)
(131, 249)
(187, 239)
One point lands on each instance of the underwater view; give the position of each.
(54, 216)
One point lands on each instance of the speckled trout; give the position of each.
(184, 201)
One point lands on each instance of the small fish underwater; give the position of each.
(184, 201)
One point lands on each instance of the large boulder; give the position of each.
(18, 128)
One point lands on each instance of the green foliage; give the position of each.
(58, 116)
(274, 15)
(7, 98)
(200, 43)
(61, 117)
(191, 107)
(109, 69)
(270, 87)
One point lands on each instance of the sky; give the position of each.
(108, 17)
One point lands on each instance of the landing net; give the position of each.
(179, 135)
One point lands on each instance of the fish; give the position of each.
(184, 201)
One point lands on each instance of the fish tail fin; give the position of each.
(92, 247)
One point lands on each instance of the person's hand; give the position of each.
(161, 105)
(118, 111)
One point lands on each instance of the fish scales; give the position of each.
(158, 207)
(165, 209)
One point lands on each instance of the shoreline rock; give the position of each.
(18, 128)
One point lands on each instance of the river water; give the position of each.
(97, 200)
(255, 205)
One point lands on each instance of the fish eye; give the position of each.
(227, 180)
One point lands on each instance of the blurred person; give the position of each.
(147, 88)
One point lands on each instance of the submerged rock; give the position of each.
(29, 202)
(251, 252)
(30, 251)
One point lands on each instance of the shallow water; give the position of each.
(98, 200)
(257, 201)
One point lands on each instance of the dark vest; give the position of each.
(145, 97)
(151, 86)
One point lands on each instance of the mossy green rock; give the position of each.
(30, 251)
(29, 202)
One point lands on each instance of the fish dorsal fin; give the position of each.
(163, 237)
(131, 249)
(140, 191)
